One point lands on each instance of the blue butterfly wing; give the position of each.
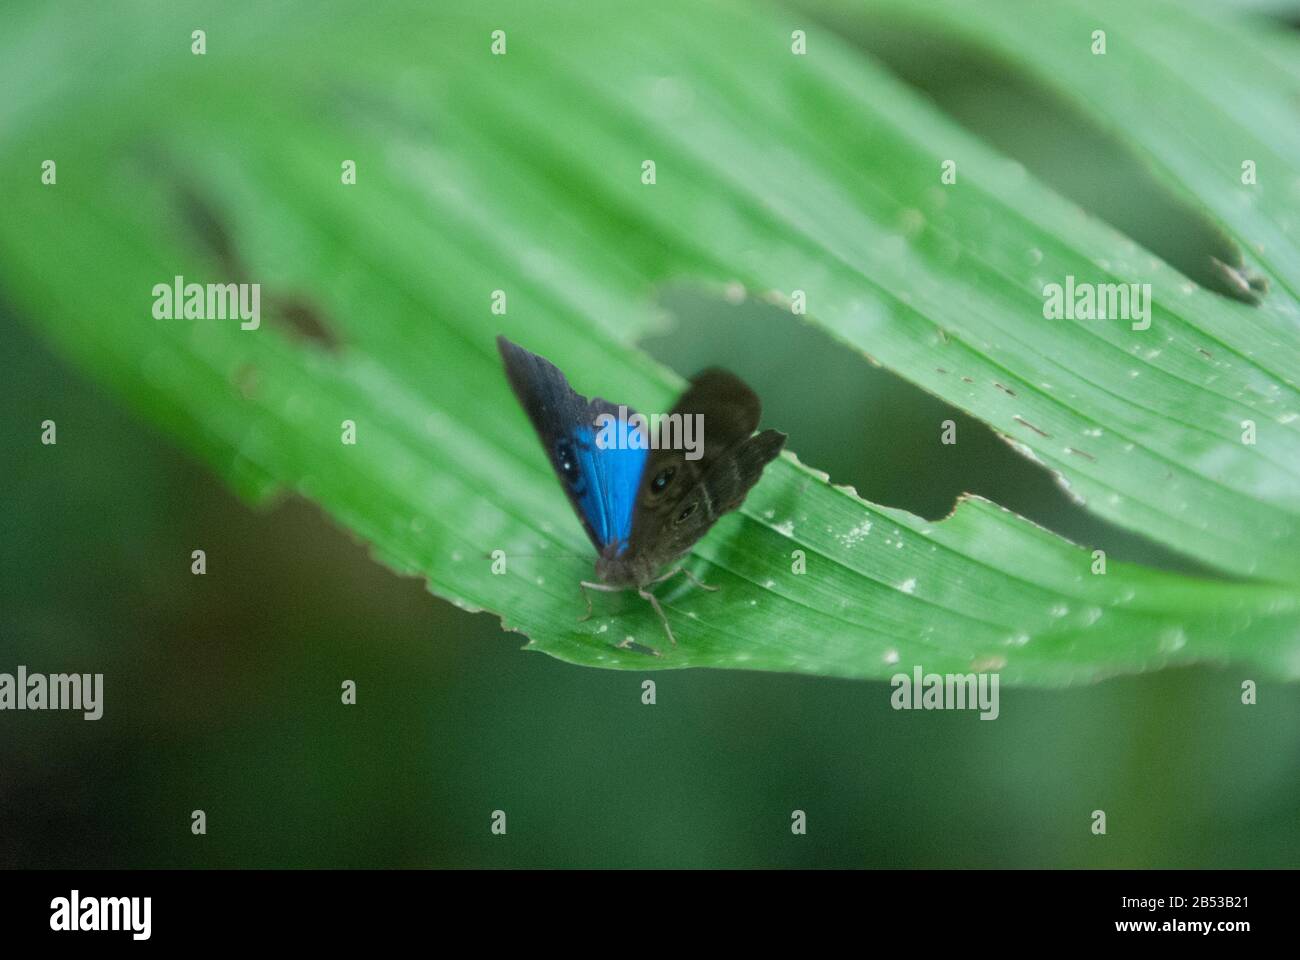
(601, 480)
(609, 479)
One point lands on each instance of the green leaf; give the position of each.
(1158, 413)
(523, 173)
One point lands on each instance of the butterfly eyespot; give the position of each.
(661, 479)
(566, 461)
(687, 512)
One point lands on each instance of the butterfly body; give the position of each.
(644, 508)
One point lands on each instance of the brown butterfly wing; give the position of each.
(680, 499)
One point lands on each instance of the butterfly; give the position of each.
(644, 509)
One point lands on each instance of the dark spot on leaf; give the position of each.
(630, 644)
(1022, 420)
(305, 319)
(204, 224)
(293, 312)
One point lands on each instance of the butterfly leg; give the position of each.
(654, 602)
(584, 585)
(698, 582)
(689, 576)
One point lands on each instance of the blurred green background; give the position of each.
(223, 691)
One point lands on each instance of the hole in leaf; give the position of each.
(868, 427)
